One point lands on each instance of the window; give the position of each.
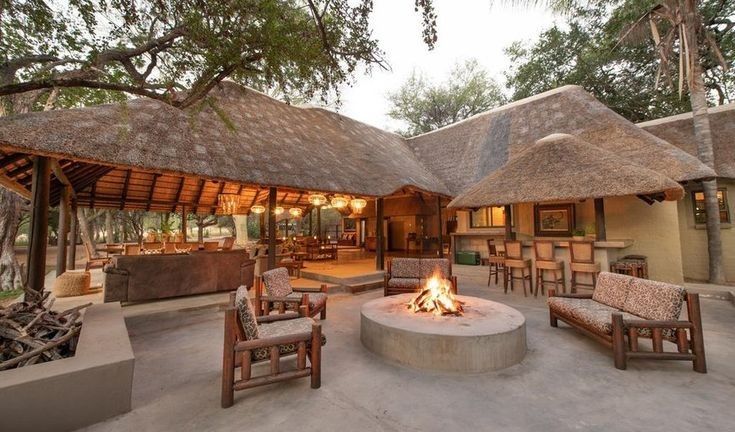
(700, 214)
(488, 217)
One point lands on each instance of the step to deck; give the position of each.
(353, 284)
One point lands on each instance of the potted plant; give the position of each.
(578, 234)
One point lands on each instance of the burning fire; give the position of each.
(436, 297)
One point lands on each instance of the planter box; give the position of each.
(71, 393)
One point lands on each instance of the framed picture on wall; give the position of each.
(554, 220)
(350, 224)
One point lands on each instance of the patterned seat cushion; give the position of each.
(246, 313)
(316, 299)
(277, 282)
(431, 266)
(654, 300)
(284, 328)
(612, 289)
(549, 265)
(405, 268)
(401, 282)
(597, 316)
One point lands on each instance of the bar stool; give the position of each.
(496, 263)
(582, 255)
(514, 260)
(544, 252)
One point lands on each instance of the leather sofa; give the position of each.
(149, 277)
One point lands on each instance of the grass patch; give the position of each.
(10, 294)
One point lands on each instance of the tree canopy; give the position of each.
(587, 51)
(424, 106)
(175, 51)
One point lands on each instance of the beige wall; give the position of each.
(694, 238)
(654, 230)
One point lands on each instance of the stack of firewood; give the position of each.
(30, 332)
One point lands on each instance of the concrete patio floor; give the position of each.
(565, 382)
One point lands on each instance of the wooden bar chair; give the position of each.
(514, 260)
(545, 261)
(582, 260)
(132, 249)
(495, 262)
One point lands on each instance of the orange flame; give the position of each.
(436, 297)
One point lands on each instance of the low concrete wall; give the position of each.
(68, 394)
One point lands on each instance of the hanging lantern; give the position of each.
(278, 211)
(317, 200)
(358, 204)
(295, 212)
(339, 202)
(229, 203)
(257, 209)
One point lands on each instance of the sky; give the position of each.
(466, 29)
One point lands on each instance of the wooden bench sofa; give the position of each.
(406, 275)
(624, 307)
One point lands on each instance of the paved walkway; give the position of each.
(566, 381)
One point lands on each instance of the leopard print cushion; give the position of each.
(597, 316)
(246, 313)
(400, 282)
(277, 282)
(405, 268)
(282, 328)
(612, 289)
(654, 300)
(431, 266)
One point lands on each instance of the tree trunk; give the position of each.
(705, 151)
(87, 236)
(109, 230)
(10, 213)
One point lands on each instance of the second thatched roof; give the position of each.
(562, 167)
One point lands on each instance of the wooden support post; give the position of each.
(287, 228)
(184, 215)
(440, 235)
(600, 219)
(71, 256)
(311, 222)
(38, 233)
(261, 225)
(63, 231)
(379, 236)
(272, 193)
(319, 223)
(509, 234)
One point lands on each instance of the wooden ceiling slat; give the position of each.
(11, 159)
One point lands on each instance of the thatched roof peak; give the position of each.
(563, 167)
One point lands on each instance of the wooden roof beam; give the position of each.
(15, 187)
(178, 193)
(213, 208)
(198, 197)
(61, 177)
(126, 185)
(150, 193)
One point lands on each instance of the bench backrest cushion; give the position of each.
(277, 283)
(405, 267)
(654, 300)
(431, 266)
(612, 289)
(246, 313)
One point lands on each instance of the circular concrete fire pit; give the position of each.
(489, 336)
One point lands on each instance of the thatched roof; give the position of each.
(463, 153)
(562, 167)
(679, 131)
(236, 134)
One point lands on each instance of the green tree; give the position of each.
(688, 40)
(160, 48)
(425, 106)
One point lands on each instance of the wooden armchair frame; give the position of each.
(690, 347)
(238, 353)
(264, 304)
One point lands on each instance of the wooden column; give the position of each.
(287, 229)
(311, 224)
(440, 236)
(509, 234)
(379, 236)
(38, 232)
(600, 219)
(272, 192)
(319, 223)
(71, 256)
(63, 230)
(183, 222)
